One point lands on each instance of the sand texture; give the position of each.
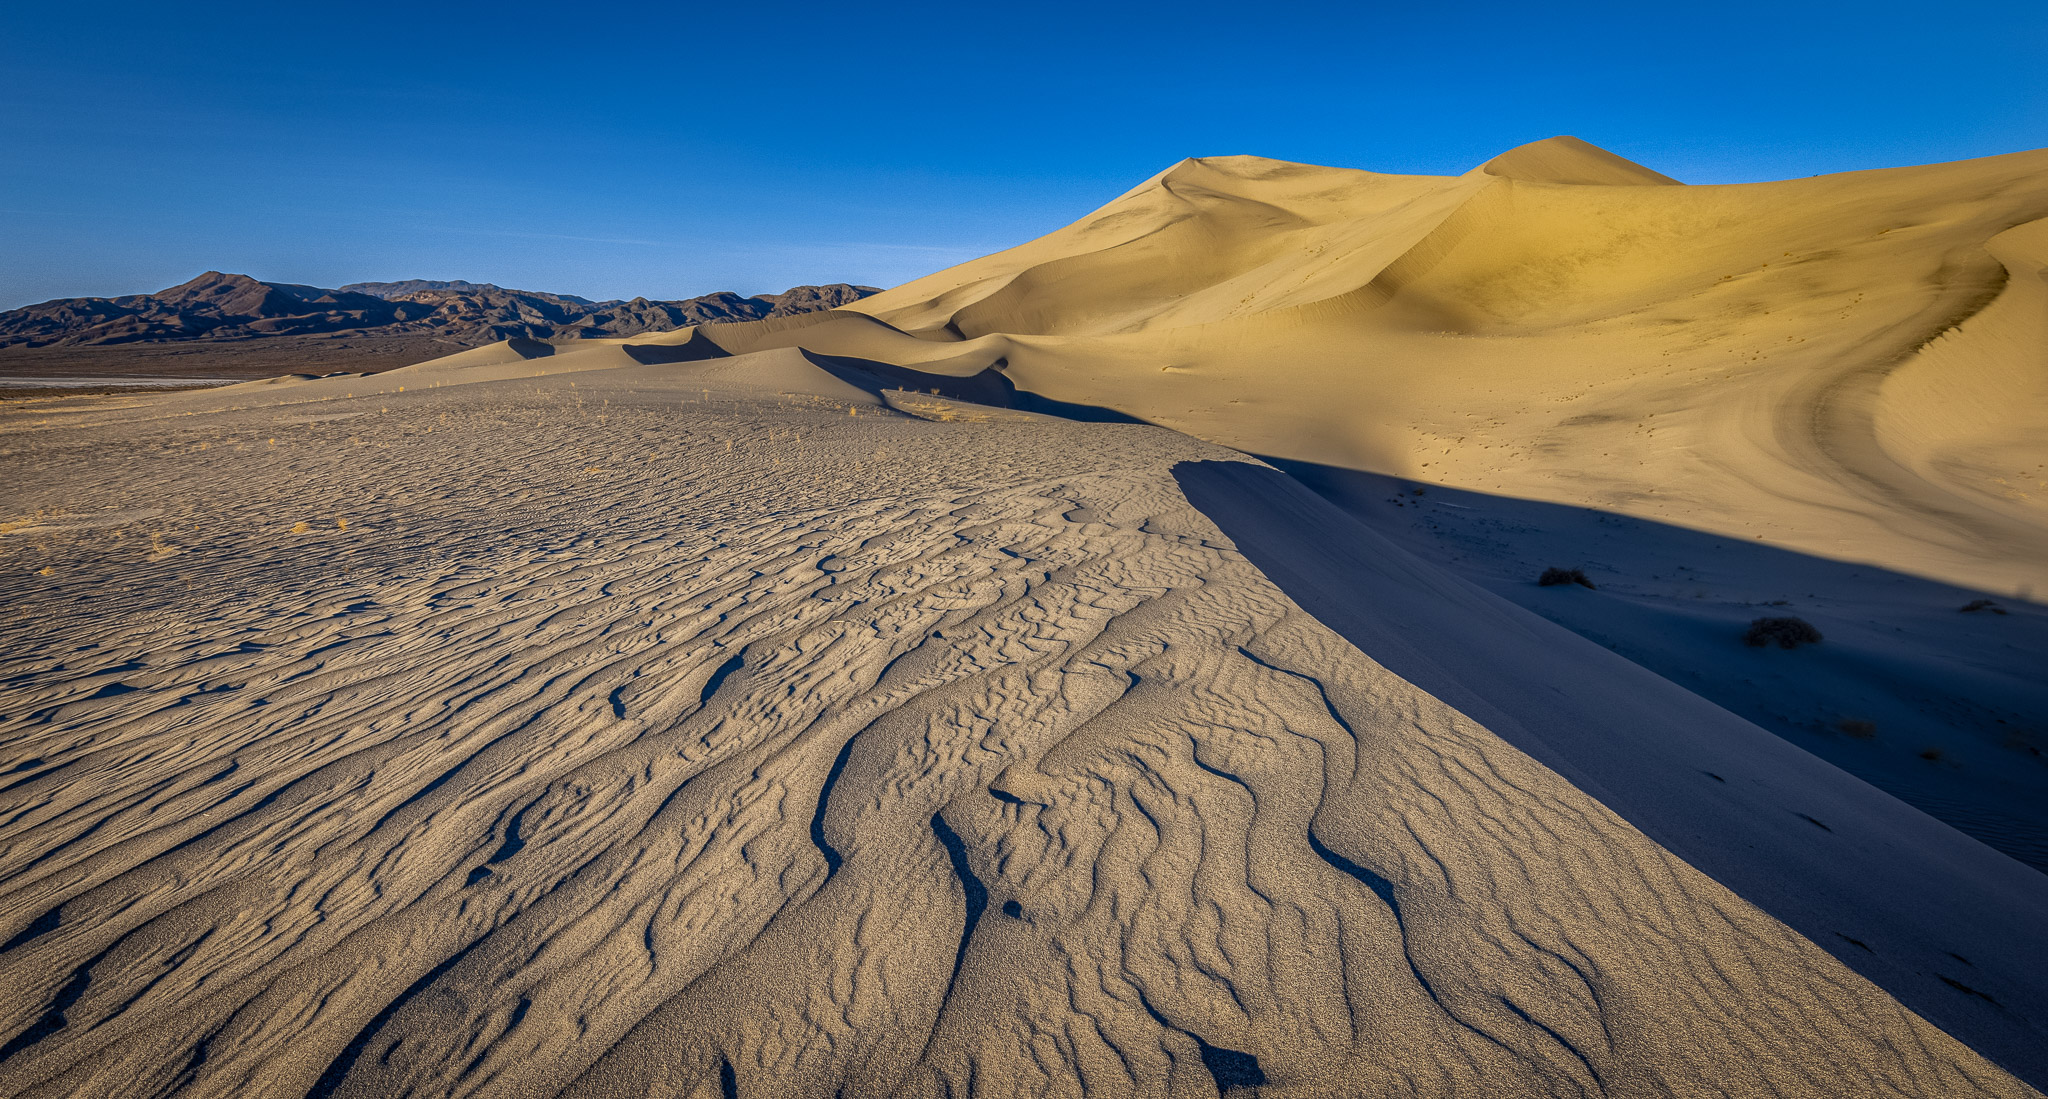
(586, 725)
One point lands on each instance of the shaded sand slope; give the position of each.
(1715, 789)
(1920, 687)
(1844, 365)
(713, 728)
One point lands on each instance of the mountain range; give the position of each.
(220, 306)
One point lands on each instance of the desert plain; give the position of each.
(1114, 666)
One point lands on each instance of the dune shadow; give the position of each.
(1893, 893)
(1944, 708)
(694, 349)
(989, 387)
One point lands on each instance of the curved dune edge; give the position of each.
(670, 728)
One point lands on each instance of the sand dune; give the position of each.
(1847, 368)
(1839, 365)
(1570, 160)
(748, 711)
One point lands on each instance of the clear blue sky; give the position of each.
(671, 150)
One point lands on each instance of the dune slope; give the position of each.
(1844, 365)
(1615, 372)
(623, 723)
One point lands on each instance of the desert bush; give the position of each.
(1554, 576)
(1975, 605)
(1789, 633)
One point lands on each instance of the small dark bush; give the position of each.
(1855, 726)
(1789, 633)
(1553, 576)
(1930, 754)
(1975, 605)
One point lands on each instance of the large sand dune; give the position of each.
(727, 713)
(1845, 365)
(1849, 370)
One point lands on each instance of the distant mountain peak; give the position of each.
(407, 288)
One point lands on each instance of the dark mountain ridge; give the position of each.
(219, 306)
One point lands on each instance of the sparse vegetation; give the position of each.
(1554, 576)
(1975, 605)
(1856, 726)
(1789, 633)
(1931, 755)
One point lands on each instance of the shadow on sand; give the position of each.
(1947, 925)
(989, 387)
(1944, 708)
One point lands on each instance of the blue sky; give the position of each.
(672, 150)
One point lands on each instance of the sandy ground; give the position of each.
(668, 728)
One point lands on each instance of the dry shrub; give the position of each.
(1554, 576)
(1789, 633)
(1975, 605)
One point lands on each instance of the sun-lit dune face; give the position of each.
(1841, 364)
(1969, 408)
(1206, 239)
